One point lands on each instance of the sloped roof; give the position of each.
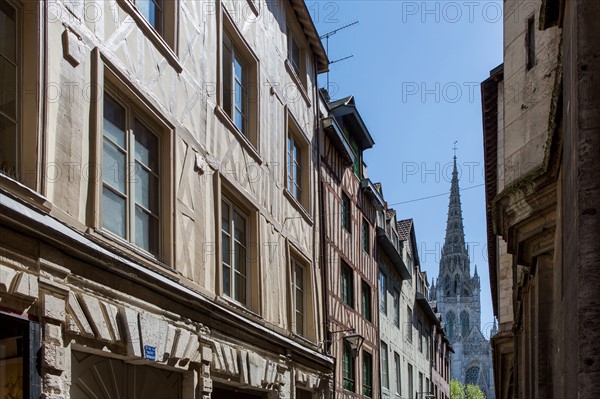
(309, 29)
(404, 227)
(342, 101)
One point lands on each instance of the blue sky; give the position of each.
(415, 73)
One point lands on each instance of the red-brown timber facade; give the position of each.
(349, 204)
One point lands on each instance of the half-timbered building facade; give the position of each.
(349, 206)
(158, 200)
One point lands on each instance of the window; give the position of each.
(398, 369)
(348, 368)
(396, 308)
(296, 63)
(367, 375)
(382, 293)
(410, 382)
(366, 246)
(420, 331)
(152, 10)
(346, 210)
(472, 375)
(464, 323)
(294, 168)
(366, 301)
(450, 324)
(297, 163)
(235, 85)
(298, 284)
(131, 178)
(161, 16)
(19, 346)
(409, 324)
(234, 240)
(530, 42)
(428, 344)
(420, 384)
(238, 98)
(9, 67)
(385, 372)
(347, 285)
(19, 92)
(294, 52)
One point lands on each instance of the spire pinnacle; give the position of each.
(455, 270)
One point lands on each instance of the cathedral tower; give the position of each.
(457, 295)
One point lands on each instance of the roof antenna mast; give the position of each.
(326, 36)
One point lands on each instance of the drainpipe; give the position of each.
(322, 220)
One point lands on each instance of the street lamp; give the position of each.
(354, 340)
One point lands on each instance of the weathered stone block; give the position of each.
(53, 384)
(53, 334)
(206, 384)
(91, 306)
(54, 357)
(26, 286)
(6, 277)
(53, 307)
(130, 331)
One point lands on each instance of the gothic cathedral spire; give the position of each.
(455, 265)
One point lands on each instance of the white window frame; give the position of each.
(133, 114)
(385, 366)
(232, 295)
(295, 288)
(382, 292)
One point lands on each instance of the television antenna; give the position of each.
(326, 36)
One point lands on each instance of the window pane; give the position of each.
(294, 53)
(240, 227)
(226, 247)
(238, 69)
(299, 277)
(240, 288)
(385, 379)
(227, 75)
(113, 212)
(240, 258)
(146, 189)
(151, 11)
(238, 119)
(114, 121)
(146, 146)
(8, 146)
(146, 231)
(382, 293)
(239, 94)
(226, 280)
(299, 323)
(113, 166)
(225, 216)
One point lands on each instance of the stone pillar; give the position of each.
(205, 382)
(55, 357)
